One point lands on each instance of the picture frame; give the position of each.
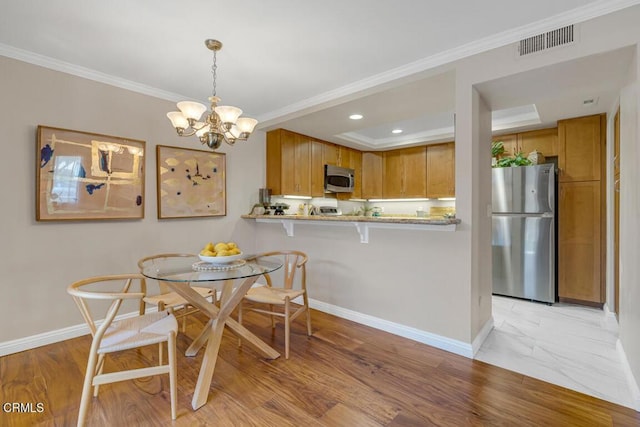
(88, 176)
(190, 183)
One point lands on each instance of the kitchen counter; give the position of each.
(361, 223)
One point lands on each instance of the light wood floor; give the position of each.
(345, 375)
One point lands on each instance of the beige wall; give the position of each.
(629, 317)
(38, 260)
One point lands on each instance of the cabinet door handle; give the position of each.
(616, 185)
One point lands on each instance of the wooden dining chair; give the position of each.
(110, 335)
(168, 299)
(277, 300)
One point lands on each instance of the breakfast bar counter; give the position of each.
(361, 223)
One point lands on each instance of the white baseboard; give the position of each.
(438, 341)
(631, 380)
(45, 338)
(482, 335)
(434, 340)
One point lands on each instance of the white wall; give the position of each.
(38, 260)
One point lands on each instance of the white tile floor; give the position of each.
(568, 345)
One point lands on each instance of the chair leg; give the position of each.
(171, 344)
(287, 327)
(99, 369)
(306, 307)
(92, 364)
(185, 309)
(273, 319)
(240, 321)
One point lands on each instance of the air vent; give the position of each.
(550, 39)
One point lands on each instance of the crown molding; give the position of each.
(87, 73)
(575, 16)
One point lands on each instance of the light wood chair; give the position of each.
(276, 301)
(111, 336)
(168, 299)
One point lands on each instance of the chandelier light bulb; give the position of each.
(246, 124)
(178, 120)
(228, 114)
(192, 110)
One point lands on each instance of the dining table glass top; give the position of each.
(192, 269)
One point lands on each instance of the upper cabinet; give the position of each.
(317, 168)
(372, 175)
(288, 163)
(580, 148)
(510, 144)
(441, 170)
(544, 141)
(404, 173)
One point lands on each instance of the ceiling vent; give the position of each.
(560, 37)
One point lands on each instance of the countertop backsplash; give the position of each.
(349, 207)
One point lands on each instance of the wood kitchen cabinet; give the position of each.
(580, 148)
(372, 175)
(544, 141)
(581, 210)
(288, 163)
(510, 144)
(579, 242)
(441, 170)
(405, 173)
(317, 168)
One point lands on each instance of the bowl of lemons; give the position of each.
(220, 253)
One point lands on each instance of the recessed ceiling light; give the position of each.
(355, 116)
(396, 131)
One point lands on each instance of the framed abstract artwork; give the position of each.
(191, 183)
(88, 176)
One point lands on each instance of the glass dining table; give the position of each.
(233, 280)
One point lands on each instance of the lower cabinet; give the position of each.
(579, 242)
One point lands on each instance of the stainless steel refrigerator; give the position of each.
(524, 232)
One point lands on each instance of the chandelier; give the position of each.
(222, 123)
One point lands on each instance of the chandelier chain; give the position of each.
(214, 68)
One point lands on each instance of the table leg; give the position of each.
(197, 343)
(230, 299)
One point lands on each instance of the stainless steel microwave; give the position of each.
(338, 179)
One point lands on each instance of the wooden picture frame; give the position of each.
(191, 183)
(88, 176)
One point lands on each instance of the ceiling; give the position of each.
(307, 66)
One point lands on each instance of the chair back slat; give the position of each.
(80, 297)
(292, 260)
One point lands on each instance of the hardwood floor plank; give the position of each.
(346, 374)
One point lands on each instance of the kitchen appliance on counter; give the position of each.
(329, 211)
(264, 198)
(338, 179)
(524, 232)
